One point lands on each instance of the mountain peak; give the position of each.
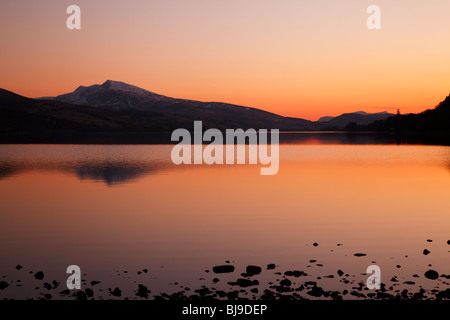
(121, 86)
(108, 83)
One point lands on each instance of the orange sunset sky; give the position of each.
(302, 58)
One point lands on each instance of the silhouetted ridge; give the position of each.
(431, 122)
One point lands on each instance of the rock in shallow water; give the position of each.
(203, 292)
(116, 292)
(223, 269)
(286, 282)
(89, 292)
(81, 295)
(253, 269)
(359, 254)
(244, 283)
(316, 292)
(48, 286)
(431, 274)
(295, 273)
(39, 275)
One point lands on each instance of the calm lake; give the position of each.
(115, 210)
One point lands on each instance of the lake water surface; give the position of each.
(115, 210)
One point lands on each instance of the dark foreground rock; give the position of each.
(39, 275)
(142, 291)
(431, 274)
(89, 292)
(81, 295)
(253, 270)
(116, 292)
(280, 285)
(244, 283)
(3, 285)
(286, 282)
(295, 273)
(227, 268)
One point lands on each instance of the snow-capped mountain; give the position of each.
(113, 94)
(120, 96)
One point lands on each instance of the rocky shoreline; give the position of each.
(248, 284)
(289, 285)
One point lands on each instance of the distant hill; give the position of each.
(358, 118)
(325, 119)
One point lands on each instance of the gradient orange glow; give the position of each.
(296, 58)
